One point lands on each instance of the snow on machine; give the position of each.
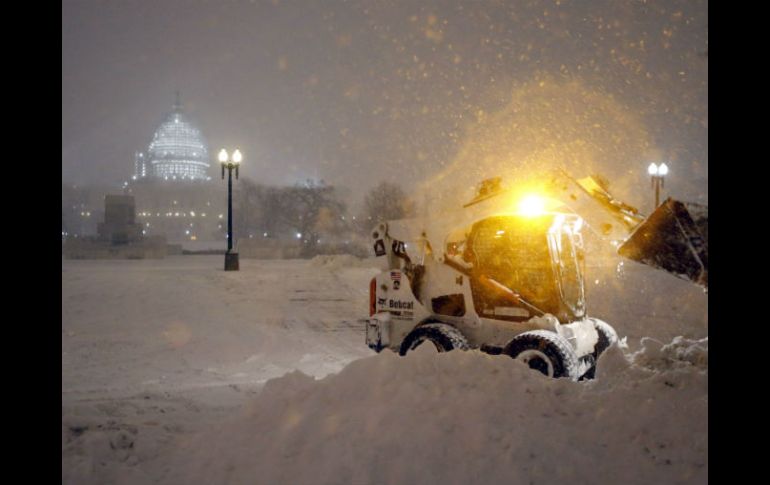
(505, 273)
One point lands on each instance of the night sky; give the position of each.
(432, 94)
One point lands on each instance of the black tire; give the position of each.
(444, 337)
(607, 337)
(545, 352)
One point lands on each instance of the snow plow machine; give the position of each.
(504, 274)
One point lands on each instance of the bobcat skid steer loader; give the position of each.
(505, 273)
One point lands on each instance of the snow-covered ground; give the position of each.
(164, 365)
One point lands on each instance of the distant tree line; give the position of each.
(313, 213)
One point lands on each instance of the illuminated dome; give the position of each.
(177, 151)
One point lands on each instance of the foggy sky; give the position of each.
(362, 91)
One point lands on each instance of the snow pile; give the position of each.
(467, 417)
(680, 353)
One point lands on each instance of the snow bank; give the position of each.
(170, 390)
(467, 417)
(681, 353)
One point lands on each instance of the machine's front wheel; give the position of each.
(607, 337)
(545, 352)
(444, 337)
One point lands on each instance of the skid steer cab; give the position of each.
(507, 283)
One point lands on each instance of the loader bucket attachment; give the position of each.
(673, 238)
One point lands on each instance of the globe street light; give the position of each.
(657, 174)
(230, 163)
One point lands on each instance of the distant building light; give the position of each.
(264, 235)
(299, 235)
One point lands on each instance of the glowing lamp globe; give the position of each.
(223, 156)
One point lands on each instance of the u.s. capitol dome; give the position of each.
(177, 151)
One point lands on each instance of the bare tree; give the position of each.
(307, 212)
(386, 201)
(252, 209)
(314, 209)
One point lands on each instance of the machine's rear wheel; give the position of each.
(444, 337)
(545, 352)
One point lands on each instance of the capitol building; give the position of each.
(172, 184)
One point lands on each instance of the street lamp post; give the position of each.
(657, 174)
(230, 163)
